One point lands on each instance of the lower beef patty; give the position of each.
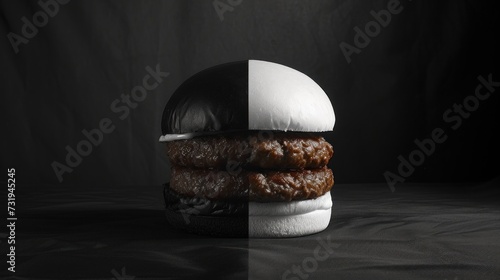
(269, 150)
(260, 186)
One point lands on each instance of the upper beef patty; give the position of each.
(269, 150)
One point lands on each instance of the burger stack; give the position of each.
(247, 154)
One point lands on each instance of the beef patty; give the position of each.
(269, 150)
(260, 186)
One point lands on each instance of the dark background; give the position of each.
(107, 214)
(393, 92)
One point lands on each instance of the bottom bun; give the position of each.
(289, 219)
(247, 219)
(218, 226)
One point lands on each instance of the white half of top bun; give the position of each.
(246, 95)
(282, 98)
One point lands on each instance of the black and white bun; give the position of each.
(247, 96)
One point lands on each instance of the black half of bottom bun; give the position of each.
(207, 217)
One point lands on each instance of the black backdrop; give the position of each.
(83, 57)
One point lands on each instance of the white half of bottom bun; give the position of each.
(289, 219)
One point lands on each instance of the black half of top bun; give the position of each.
(215, 99)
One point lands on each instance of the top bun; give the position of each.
(247, 95)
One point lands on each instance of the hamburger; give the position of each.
(246, 152)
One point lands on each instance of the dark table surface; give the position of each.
(419, 231)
